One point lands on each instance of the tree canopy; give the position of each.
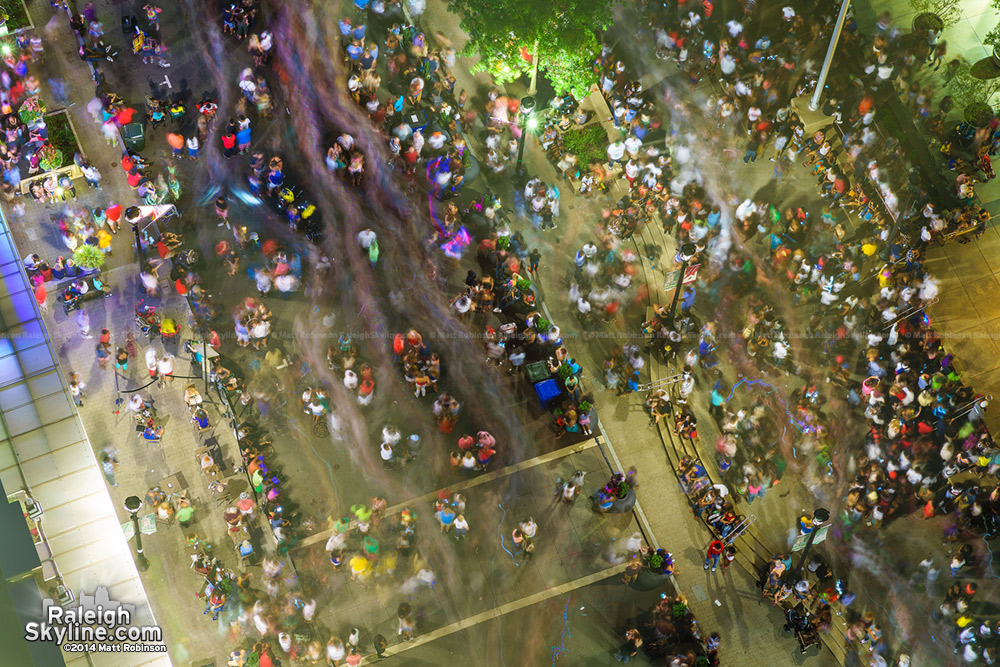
(564, 30)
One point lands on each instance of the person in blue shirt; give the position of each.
(245, 549)
(687, 301)
(718, 399)
(200, 418)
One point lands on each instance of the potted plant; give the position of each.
(935, 14)
(89, 257)
(31, 110)
(51, 157)
(975, 95)
(927, 21)
(992, 39)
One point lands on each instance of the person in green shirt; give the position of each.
(185, 513)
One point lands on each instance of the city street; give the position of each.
(465, 401)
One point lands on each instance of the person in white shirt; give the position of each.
(309, 610)
(350, 380)
(436, 141)
(616, 152)
(365, 238)
(259, 333)
(631, 171)
(165, 366)
(632, 145)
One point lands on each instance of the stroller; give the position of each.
(803, 629)
(147, 319)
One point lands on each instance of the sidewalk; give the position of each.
(142, 466)
(480, 577)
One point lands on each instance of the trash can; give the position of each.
(547, 391)
(134, 136)
(538, 371)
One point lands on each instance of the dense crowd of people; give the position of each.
(925, 436)
(865, 316)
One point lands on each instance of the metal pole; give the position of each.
(914, 181)
(793, 576)
(204, 360)
(887, 250)
(837, 29)
(132, 506)
(140, 558)
(532, 87)
(138, 240)
(820, 518)
(677, 293)
(520, 146)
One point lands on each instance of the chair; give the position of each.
(150, 441)
(245, 552)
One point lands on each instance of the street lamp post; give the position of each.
(684, 254)
(830, 50)
(914, 180)
(132, 506)
(132, 217)
(525, 122)
(820, 517)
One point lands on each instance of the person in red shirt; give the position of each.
(229, 144)
(410, 156)
(715, 550)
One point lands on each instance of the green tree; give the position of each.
(560, 34)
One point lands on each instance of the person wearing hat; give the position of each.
(246, 506)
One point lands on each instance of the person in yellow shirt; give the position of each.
(359, 568)
(104, 240)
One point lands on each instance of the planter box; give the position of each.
(18, 18)
(62, 134)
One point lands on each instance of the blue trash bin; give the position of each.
(547, 391)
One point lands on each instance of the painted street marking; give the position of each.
(469, 483)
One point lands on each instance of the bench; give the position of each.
(73, 171)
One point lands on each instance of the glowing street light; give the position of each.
(527, 119)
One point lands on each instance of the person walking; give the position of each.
(76, 389)
(83, 322)
(715, 549)
(717, 400)
(185, 513)
(381, 644)
(165, 368)
(108, 463)
(102, 356)
(630, 646)
(752, 147)
(407, 622)
(728, 556)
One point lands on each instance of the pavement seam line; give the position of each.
(637, 507)
(504, 609)
(470, 483)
